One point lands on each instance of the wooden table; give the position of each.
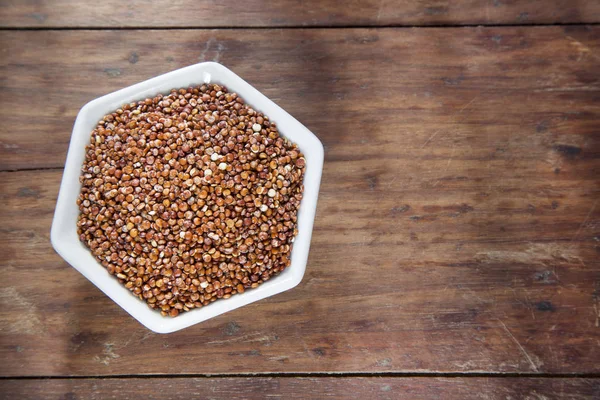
(456, 248)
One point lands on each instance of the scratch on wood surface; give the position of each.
(477, 297)
(597, 310)
(24, 315)
(581, 48)
(536, 253)
(108, 354)
(249, 338)
(305, 347)
(467, 105)
(447, 166)
(463, 108)
(551, 349)
(533, 366)
(568, 89)
(278, 358)
(527, 303)
(209, 42)
(9, 145)
(385, 362)
(392, 181)
(219, 48)
(450, 158)
(379, 10)
(540, 396)
(585, 220)
(147, 336)
(468, 365)
(430, 138)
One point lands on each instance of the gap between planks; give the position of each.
(32, 169)
(322, 375)
(292, 27)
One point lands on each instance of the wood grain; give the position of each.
(258, 13)
(468, 277)
(458, 226)
(305, 388)
(412, 95)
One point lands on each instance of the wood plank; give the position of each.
(257, 13)
(305, 388)
(467, 93)
(493, 276)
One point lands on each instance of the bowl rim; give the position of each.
(63, 233)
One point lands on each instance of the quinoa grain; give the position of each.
(190, 197)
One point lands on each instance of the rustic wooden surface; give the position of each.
(480, 94)
(259, 13)
(458, 229)
(304, 388)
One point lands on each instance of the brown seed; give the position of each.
(190, 197)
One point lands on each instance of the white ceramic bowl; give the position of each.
(64, 230)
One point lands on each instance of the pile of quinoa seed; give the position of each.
(190, 197)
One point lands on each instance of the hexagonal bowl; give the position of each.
(64, 229)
